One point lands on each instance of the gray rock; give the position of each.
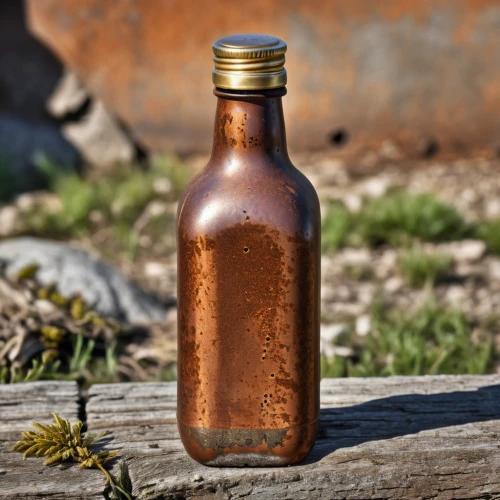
(68, 96)
(99, 137)
(102, 286)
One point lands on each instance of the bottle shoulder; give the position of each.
(278, 196)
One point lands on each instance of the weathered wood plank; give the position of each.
(402, 437)
(21, 404)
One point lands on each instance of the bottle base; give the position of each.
(248, 447)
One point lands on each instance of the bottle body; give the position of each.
(248, 289)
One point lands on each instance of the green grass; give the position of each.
(433, 340)
(395, 219)
(120, 198)
(400, 216)
(489, 232)
(421, 268)
(335, 227)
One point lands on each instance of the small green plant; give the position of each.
(400, 217)
(395, 219)
(489, 232)
(73, 341)
(118, 200)
(61, 441)
(82, 354)
(42, 370)
(335, 227)
(335, 367)
(421, 268)
(174, 170)
(433, 340)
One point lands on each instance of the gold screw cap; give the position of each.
(249, 62)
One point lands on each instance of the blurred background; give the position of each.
(106, 112)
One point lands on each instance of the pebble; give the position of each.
(393, 284)
(342, 351)
(156, 208)
(162, 186)
(494, 269)
(350, 309)
(27, 202)
(355, 256)
(366, 291)
(10, 220)
(330, 331)
(375, 187)
(492, 208)
(353, 202)
(386, 264)
(455, 294)
(467, 250)
(363, 325)
(96, 216)
(154, 269)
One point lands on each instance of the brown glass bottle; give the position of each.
(248, 234)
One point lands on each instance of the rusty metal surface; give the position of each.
(248, 295)
(420, 72)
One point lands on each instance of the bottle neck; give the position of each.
(249, 124)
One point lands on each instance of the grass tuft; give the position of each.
(395, 219)
(400, 217)
(113, 205)
(489, 232)
(433, 340)
(335, 227)
(421, 268)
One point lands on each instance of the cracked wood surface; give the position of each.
(386, 438)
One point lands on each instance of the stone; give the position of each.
(492, 208)
(355, 256)
(376, 187)
(387, 263)
(363, 325)
(494, 269)
(393, 284)
(10, 220)
(162, 186)
(347, 309)
(467, 250)
(99, 137)
(353, 202)
(68, 96)
(154, 269)
(73, 270)
(96, 216)
(455, 294)
(343, 351)
(328, 333)
(43, 200)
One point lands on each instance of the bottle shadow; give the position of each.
(396, 416)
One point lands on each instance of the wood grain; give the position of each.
(20, 404)
(386, 438)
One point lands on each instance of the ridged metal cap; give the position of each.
(249, 62)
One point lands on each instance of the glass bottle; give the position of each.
(248, 233)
